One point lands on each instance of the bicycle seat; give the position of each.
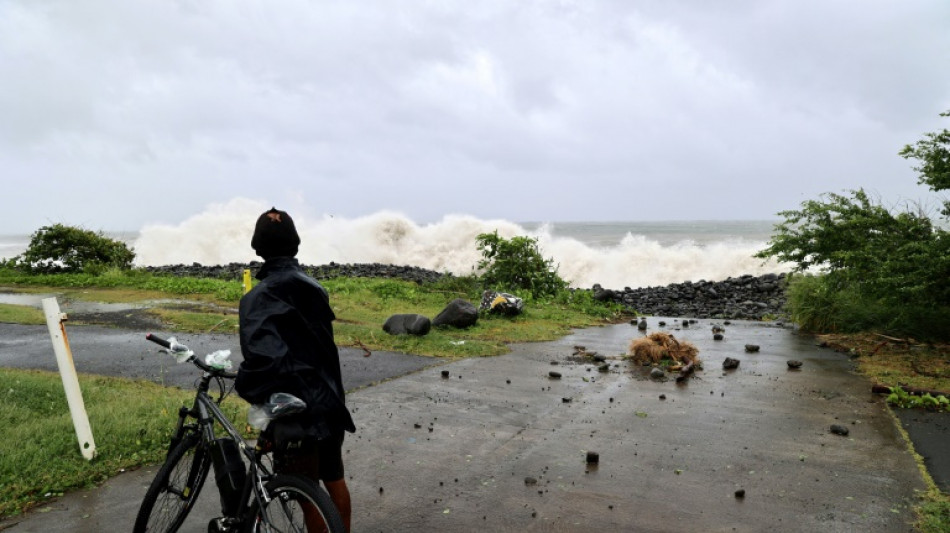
(279, 405)
(283, 404)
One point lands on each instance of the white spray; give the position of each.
(222, 234)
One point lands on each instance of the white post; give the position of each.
(67, 370)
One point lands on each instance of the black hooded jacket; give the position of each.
(286, 330)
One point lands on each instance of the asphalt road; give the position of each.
(500, 445)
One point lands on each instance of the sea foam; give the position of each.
(222, 232)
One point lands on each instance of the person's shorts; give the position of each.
(324, 462)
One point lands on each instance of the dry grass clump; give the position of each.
(658, 346)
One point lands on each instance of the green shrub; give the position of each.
(517, 265)
(903, 399)
(819, 304)
(70, 249)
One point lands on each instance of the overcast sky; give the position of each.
(118, 114)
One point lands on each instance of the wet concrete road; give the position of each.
(455, 453)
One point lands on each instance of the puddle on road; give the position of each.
(67, 306)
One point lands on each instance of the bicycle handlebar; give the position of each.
(158, 340)
(165, 343)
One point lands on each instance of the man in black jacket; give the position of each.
(287, 341)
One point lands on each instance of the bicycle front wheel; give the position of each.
(175, 488)
(294, 504)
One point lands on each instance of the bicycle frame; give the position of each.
(206, 412)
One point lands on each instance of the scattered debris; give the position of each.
(717, 337)
(685, 372)
(366, 352)
(445, 373)
(593, 458)
(794, 364)
(662, 396)
(554, 375)
(885, 389)
(658, 346)
(751, 348)
(740, 493)
(839, 430)
(530, 481)
(657, 373)
(730, 363)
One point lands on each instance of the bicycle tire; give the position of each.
(173, 492)
(283, 513)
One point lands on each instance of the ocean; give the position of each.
(613, 254)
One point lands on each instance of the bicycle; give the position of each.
(254, 499)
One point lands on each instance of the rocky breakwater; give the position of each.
(745, 297)
(235, 271)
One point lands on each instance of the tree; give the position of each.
(933, 153)
(61, 247)
(517, 264)
(861, 245)
(879, 269)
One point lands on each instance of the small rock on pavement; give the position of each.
(740, 493)
(793, 364)
(593, 458)
(554, 375)
(751, 348)
(657, 373)
(717, 336)
(730, 363)
(530, 481)
(839, 430)
(445, 373)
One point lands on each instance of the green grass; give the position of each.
(165, 285)
(361, 305)
(39, 455)
(934, 514)
(21, 314)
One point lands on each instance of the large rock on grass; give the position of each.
(458, 313)
(407, 324)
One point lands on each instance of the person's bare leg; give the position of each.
(340, 494)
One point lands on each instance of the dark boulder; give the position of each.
(458, 313)
(409, 323)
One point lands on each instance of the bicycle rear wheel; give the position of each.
(290, 497)
(175, 488)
